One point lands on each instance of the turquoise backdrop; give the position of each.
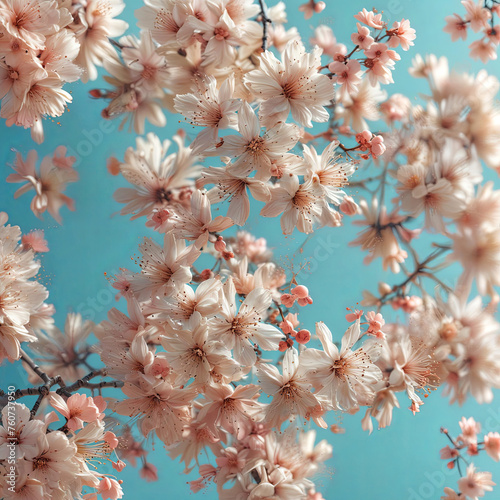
(398, 463)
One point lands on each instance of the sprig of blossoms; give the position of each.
(473, 483)
(46, 44)
(479, 18)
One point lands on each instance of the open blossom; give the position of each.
(302, 205)
(27, 433)
(347, 75)
(163, 270)
(475, 484)
(221, 38)
(238, 329)
(193, 353)
(290, 391)
(291, 85)
(477, 15)
(325, 39)
(196, 223)
(227, 186)
(492, 445)
(370, 18)
(362, 37)
(49, 183)
(160, 407)
(478, 251)
(484, 50)
(233, 408)
(253, 151)
(330, 170)
(456, 27)
(211, 108)
(77, 409)
(53, 460)
(96, 24)
(36, 241)
(346, 377)
(379, 238)
(402, 34)
(157, 178)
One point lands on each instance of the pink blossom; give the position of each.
(448, 453)
(370, 19)
(477, 15)
(402, 34)
(470, 429)
(312, 7)
(484, 50)
(492, 445)
(149, 472)
(77, 409)
(362, 37)
(347, 74)
(353, 316)
(456, 27)
(36, 241)
(110, 489)
(376, 322)
(475, 484)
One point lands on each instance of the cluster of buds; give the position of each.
(220, 246)
(288, 327)
(299, 294)
(373, 144)
(407, 303)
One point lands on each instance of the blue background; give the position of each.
(398, 463)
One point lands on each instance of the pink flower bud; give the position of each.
(286, 327)
(319, 7)
(303, 336)
(287, 299)
(119, 465)
(384, 288)
(306, 301)
(300, 291)
(206, 274)
(377, 146)
(220, 244)
(282, 346)
(110, 439)
(348, 206)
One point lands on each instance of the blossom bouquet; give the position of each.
(245, 338)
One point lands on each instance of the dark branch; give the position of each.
(265, 21)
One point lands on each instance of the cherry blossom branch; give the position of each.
(265, 21)
(43, 390)
(27, 359)
(85, 382)
(420, 269)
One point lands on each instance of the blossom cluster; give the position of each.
(474, 483)
(49, 183)
(211, 354)
(22, 298)
(45, 44)
(479, 18)
(58, 461)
